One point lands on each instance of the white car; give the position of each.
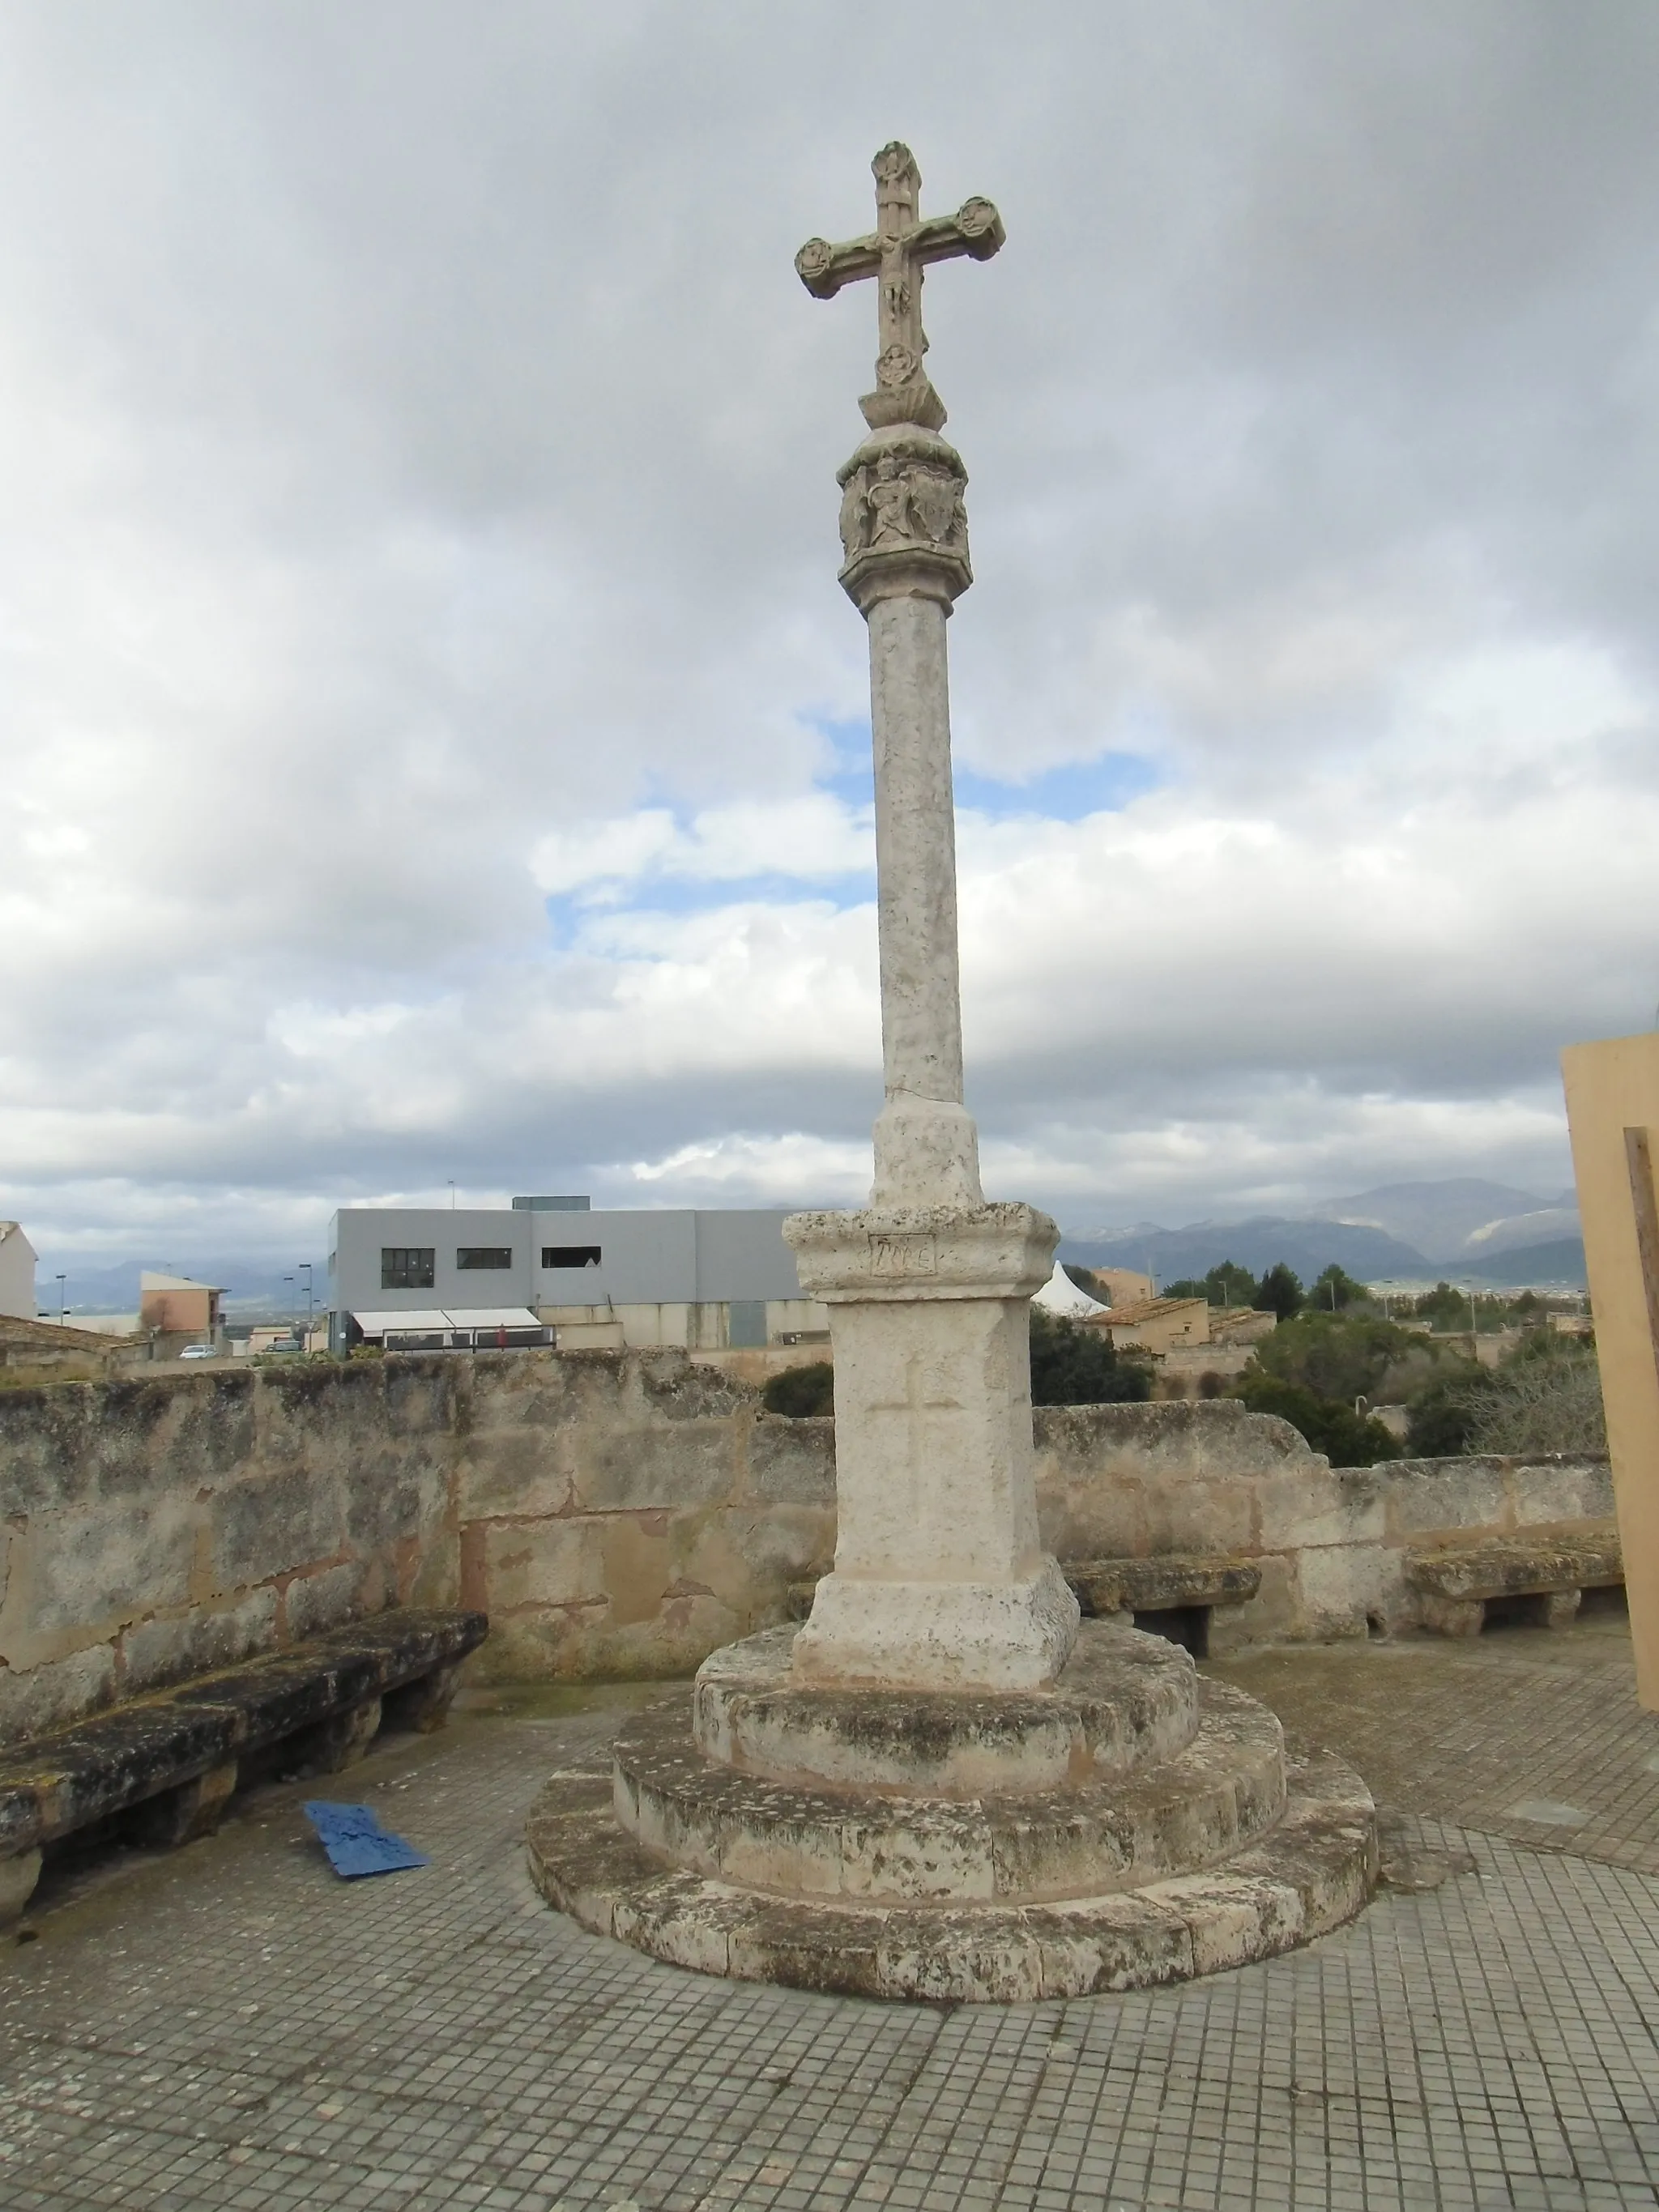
(198, 1351)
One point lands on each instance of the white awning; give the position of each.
(1060, 1295)
(428, 1319)
(424, 1317)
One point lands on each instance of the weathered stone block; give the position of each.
(792, 1463)
(543, 1562)
(692, 1463)
(312, 1603)
(1548, 1490)
(1338, 1584)
(81, 1571)
(35, 1699)
(268, 1524)
(18, 1877)
(165, 1649)
(1317, 1504)
(1209, 1516)
(524, 1470)
(178, 1815)
(1446, 1493)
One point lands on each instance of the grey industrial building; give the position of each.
(701, 1277)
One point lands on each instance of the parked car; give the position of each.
(199, 1351)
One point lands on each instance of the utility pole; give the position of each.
(62, 1309)
(311, 1298)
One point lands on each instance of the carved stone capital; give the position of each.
(901, 1254)
(904, 517)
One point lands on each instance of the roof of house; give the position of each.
(52, 1335)
(149, 1281)
(1143, 1309)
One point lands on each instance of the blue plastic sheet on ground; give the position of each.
(356, 1842)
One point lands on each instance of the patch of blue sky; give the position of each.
(1070, 792)
(569, 917)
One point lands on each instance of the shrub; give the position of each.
(1347, 1438)
(1072, 1365)
(1547, 1402)
(1334, 1355)
(1443, 1419)
(801, 1392)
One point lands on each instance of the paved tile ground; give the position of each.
(232, 2030)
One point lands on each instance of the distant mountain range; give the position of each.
(1400, 1232)
(1461, 1219)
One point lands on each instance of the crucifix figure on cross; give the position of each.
(897, 253)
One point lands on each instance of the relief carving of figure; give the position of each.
(855, 514)
(889, 497)
(937, 504)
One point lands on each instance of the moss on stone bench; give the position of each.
(1456, 1582)
(170, 1759)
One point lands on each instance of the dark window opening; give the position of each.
(571, 1255)
(1188, 1626)
(484, 1255)
(408, 1267)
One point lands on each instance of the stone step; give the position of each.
(1313, 1870)
(1179, 1815)
(1123, 1701)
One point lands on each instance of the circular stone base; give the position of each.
(1222, 1791)
(1123, 1701)
(1313, 1871)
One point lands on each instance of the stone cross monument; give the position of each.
(942, 1785)
(939, 1579)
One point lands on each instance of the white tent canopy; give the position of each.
(427, 1319)
(1060, 1295)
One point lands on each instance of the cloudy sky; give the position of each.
(435, 745)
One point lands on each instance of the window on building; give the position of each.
(571, 1255)
(484, 1255)
(408, 1266)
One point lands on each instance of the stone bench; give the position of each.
(158, 1769)
(1174, 1593)
(1547, 1574)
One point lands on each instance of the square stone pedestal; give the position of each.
(940, 1581)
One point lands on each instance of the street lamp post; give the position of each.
(62, 1308)
(311, 1298)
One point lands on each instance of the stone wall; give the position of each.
(615, 1513)
(1210, 1478)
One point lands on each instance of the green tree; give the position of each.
(1279, 1291)
(1443, 1416)
(1347, 1438)
(1229, 1285)
(1075, 1365)
(1342, 1355)
(1335, 1290)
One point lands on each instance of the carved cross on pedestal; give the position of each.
(897, 252)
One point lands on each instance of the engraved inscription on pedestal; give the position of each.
(903, 1255)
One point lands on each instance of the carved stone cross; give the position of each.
(897, 251)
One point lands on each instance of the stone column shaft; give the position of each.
(916, 851)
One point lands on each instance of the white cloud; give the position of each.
(418, 460)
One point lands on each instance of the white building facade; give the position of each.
(704, 1278)
(17, 1257)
